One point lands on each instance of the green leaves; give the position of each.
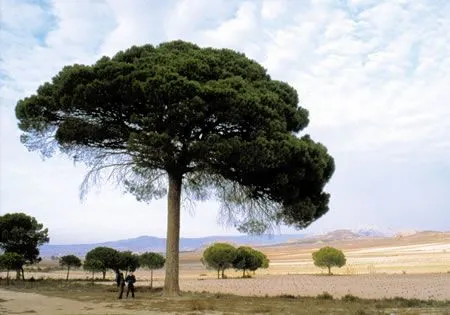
(10, 261)
(128, 261)
(195, 112)
(22, 234)
(109, 257)
(152, 260)
(219, 256)
(93, 265)
(251, 259)
(70, 261)
(329, 257)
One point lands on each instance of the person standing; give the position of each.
(117, 272)
(130, 280)
(121, 284)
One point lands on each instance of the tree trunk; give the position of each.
(104, 274)
(218, 273)
(243, 273)
(223, 273)
(151, 278)
(68, 269)
(23, 273)
(329, 270)
(18, 274)
(171, 284)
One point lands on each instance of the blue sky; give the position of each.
(374, 75)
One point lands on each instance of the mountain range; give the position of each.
(156, 244)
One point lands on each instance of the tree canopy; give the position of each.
(248, 258)
(152, 261)
(109, 257)
(10, 261)
(128, 261)
(219, 256)
(22, 234)
(201, 121)
(265, 261)
(94, 265)
(69, 261)
(328, 257)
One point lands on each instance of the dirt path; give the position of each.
(12, 302)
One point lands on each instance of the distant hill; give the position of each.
(371, 232)
(340, 235)
(156, 244)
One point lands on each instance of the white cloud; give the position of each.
(272, 9)
(240, 31)
(137, 22)
(373, 74)
(187, 17)
(23, 17)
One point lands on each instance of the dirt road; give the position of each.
(12, 302)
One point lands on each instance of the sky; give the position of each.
(374, 75)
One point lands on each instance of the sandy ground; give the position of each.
(12, 302)
(421, 286)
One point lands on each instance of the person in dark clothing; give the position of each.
(130, 280)
(117, 277)
(121, 284)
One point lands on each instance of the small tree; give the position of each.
(264, 260)
(128, 261)
(69, 261)
(94, 265)
(109, 257)
(10, 261)
(152, 261)
(219, 256)
(328, 257)
(22, 234)
(247, 258)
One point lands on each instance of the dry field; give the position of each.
(416, 266)
(412, 267)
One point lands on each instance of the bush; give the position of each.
(287, 296)
(325, 296)
(350, 298)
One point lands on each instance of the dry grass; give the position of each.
(199, 303)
